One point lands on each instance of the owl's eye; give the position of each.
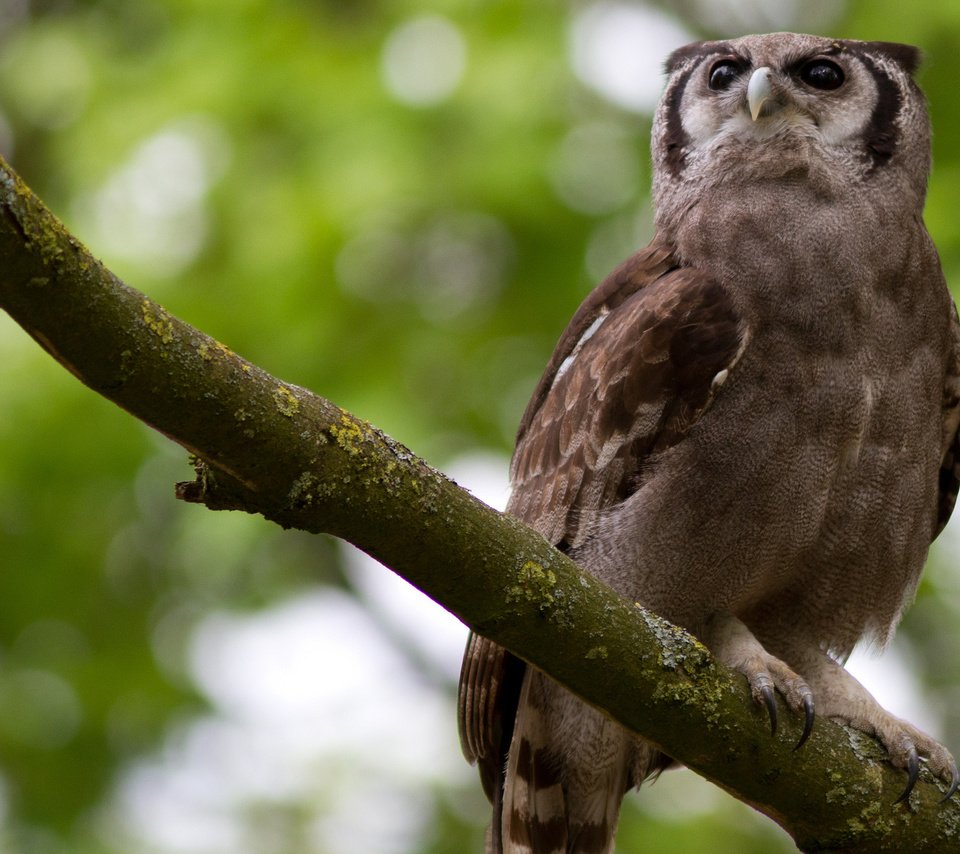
(723, 74)
(822, 74)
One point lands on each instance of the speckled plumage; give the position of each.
(750, 427)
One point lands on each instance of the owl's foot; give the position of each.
(842, 698)
(906, 745)
(734, 645)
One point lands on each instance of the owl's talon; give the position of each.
(954, 782)
(770, 701)
(913, 773)
(808, 717)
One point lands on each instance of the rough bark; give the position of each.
(265, 446)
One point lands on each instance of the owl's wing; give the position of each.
(950, 461)
(490, 681)
(638, 364)
(636, 368)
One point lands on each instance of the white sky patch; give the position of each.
(424, 60)
(890, 678)
(484, 474)
(618, 49)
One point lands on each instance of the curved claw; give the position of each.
(770, 701)
(808, 716)
(954, 783)
(913, 773)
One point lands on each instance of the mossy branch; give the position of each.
(265, 446)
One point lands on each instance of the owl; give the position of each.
(750, 427)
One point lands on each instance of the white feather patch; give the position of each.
(587, 335)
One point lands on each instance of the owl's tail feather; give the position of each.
(568, 768)
(533, 813)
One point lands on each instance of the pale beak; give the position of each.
(759, 89)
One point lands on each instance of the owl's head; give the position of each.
(838, 114)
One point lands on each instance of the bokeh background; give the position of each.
(398, 205)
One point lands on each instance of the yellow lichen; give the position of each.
(679, 649)
(535, 583)
(157, 320)
(286, 401)
(349, 433)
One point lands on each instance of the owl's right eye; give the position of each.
(723, 74)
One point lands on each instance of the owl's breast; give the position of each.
(844, 472)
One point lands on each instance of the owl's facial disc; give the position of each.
(770, 105)
(754, 97)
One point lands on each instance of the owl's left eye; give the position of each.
(822, 74)
(723, 74)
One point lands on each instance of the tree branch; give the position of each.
(268, 447)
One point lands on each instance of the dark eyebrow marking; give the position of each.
(882, 133)
(675, 138)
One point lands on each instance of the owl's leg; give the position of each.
(841, 697)
(734, 645)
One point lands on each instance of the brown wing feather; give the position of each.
(950, 461)
(631, 374)
(639, 270)
(490, 681)
(633, 388)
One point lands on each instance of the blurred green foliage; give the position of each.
(281, 175)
